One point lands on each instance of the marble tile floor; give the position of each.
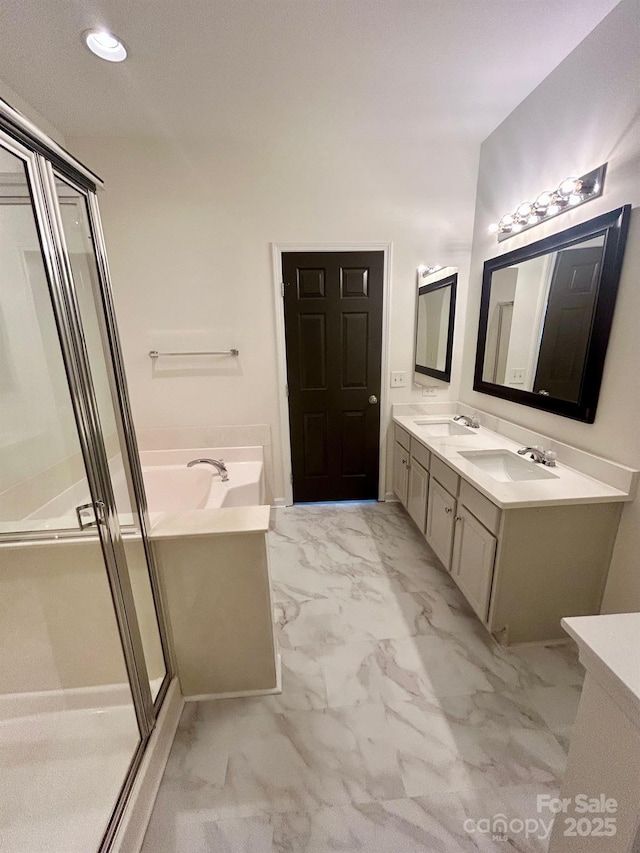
(401, 726)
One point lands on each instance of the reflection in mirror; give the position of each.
(546, 315)
(434, 327)
(540, 314)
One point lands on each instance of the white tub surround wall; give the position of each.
(546, 540)
(604, 757)
(214, 566)
(583, 114)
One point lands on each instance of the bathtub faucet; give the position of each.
(217, 463)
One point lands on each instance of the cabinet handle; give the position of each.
(448, 510)
(459, 518)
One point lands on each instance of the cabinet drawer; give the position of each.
(446, 476)
(420, 452)
(485, 511)
(403, 437)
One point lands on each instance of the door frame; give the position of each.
(277, 250)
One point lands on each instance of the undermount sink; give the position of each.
(441, 428)
(505, 466)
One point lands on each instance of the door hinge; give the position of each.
(286, 390)
(282, 287)
(291, 478)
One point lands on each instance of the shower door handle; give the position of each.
(82, 511)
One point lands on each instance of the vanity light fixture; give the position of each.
(105, 45)
(570, 193)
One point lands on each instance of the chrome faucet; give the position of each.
(544, 457)
(217, 463)
(474, 423)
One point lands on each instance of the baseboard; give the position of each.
(391, 497)
(559, 641)
(137, 812)
(279, 502)
(241, 694)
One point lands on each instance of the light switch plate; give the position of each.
(398, 379)
(516, 375)
(429, 391)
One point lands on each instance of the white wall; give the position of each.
(189, 226)
(584, 114)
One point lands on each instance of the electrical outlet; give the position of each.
(516, 375)
(429, 391)
(398, 379)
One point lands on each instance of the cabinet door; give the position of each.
(417, 497)
(400, 472)
(474, 552)
(441, 509)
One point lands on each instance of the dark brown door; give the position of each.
(567, 324)
(333, 326)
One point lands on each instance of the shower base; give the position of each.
(62, 771)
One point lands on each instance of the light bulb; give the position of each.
(543, 201)
(106, 40)
(569, 186)
(105, 45)
(524, 210)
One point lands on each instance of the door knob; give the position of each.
(373, 399)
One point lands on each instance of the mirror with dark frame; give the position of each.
(435, 314)
(546, 314)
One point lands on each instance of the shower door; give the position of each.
(80, 235)
(82, 651)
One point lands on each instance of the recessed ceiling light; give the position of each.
(105, 45)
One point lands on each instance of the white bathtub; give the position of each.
(172, 487)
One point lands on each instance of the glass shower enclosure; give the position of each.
(84, 665)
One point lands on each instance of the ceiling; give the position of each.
(254, 68)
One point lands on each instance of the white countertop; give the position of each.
(610, 651)
(568, 486)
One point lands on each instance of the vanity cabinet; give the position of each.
(474, 551)
(440, 521)
(400, 472)
(521, 569)
(460, 540)
(418, 491)
(411, 475)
